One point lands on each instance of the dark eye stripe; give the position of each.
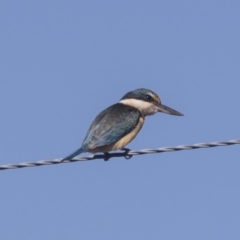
(149, 98)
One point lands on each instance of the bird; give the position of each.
(118, 125)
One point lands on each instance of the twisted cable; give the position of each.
(127, 154)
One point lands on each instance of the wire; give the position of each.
(127, 154)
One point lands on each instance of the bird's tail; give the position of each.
(74, 154)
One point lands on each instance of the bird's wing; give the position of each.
(111, 125)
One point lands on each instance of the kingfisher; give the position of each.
(118, 125)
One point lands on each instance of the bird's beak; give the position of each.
(168, 110)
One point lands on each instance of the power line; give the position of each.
(127, 154)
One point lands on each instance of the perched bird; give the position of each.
(117, 125)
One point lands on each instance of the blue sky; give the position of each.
(62, 62)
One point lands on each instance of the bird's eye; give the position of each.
(149, 98)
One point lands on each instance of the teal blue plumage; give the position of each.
(107, 128)
(111, 125)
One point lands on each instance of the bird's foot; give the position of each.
(126, 152)
(106, 156)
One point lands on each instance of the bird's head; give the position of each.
(147, 102)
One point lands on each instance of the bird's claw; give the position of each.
(106, 156)
(126, 150)
(126, 155)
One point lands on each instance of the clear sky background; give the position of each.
(62, 62)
